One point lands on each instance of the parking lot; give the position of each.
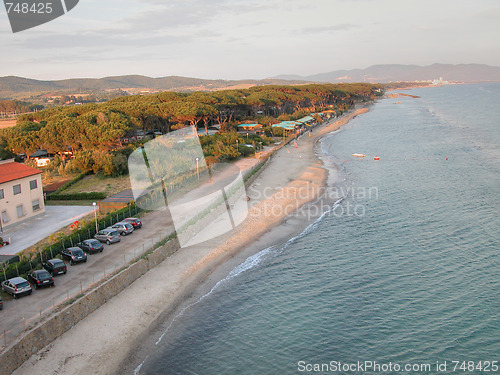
(23, 312)
(31, 231)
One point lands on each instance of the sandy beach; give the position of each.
(118, 336)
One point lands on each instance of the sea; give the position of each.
(402, 275)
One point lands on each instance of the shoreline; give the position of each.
(102, 342)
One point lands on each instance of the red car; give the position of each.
(136, 223)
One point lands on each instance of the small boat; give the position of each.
(359, 155)
(376, 158)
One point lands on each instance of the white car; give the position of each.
(108, 235)
(123, 227)
(17, 286)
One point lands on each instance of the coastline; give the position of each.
(102, 342)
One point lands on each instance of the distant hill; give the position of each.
(395, 72)
(12, 86)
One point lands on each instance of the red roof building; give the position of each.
(10, 171)
(21, 193)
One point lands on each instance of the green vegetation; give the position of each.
(75, 196)
(96, 183)
(70, 203)
(5, 152)
(67, 185)
(102, 136)
(13, 107)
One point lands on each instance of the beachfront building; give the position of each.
(288, 125)
(306, 120)
(42, 158)
(250, 127)
(21, 193)
(328, 113)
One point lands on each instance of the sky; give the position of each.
(249, 39)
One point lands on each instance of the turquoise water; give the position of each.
(406, 270)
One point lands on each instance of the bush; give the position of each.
(246, 151)
(103, 163)
(75, 196)
(83, 160)
(274, 132)
(120, 164)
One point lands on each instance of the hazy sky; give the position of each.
(236, 39)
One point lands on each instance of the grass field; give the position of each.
(108, 185)
(7, 123)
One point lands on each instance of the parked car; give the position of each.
(17, 287)
(123, 227)
(74, 255)
(41, 278)
(135, 222)
(91, 246)
(1, 303)
(55, 266)
(108, 235)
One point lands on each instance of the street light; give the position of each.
(237, 144)
(197, 170)
(95, 216)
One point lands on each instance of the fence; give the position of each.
(26, 264)
(10, 331)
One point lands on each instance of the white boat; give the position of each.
(359, 155)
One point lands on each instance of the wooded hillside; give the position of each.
(101, 128)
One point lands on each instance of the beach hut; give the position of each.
(288, 125)
(328, 113)
(306, 120)
(250, 128)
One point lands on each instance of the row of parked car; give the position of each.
(19, 286)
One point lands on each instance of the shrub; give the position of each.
(75, 196)
(246, 151)
(83, 160)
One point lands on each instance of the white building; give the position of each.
(21, 193)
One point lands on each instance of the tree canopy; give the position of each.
(100, 127)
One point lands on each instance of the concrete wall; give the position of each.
(39, 337)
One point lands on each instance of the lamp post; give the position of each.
(197, 169)
(95, 216)
(237, 144)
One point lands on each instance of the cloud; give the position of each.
(327, 29)
(171, 15)
(158, 23)
(110, 39)
(242, 38)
